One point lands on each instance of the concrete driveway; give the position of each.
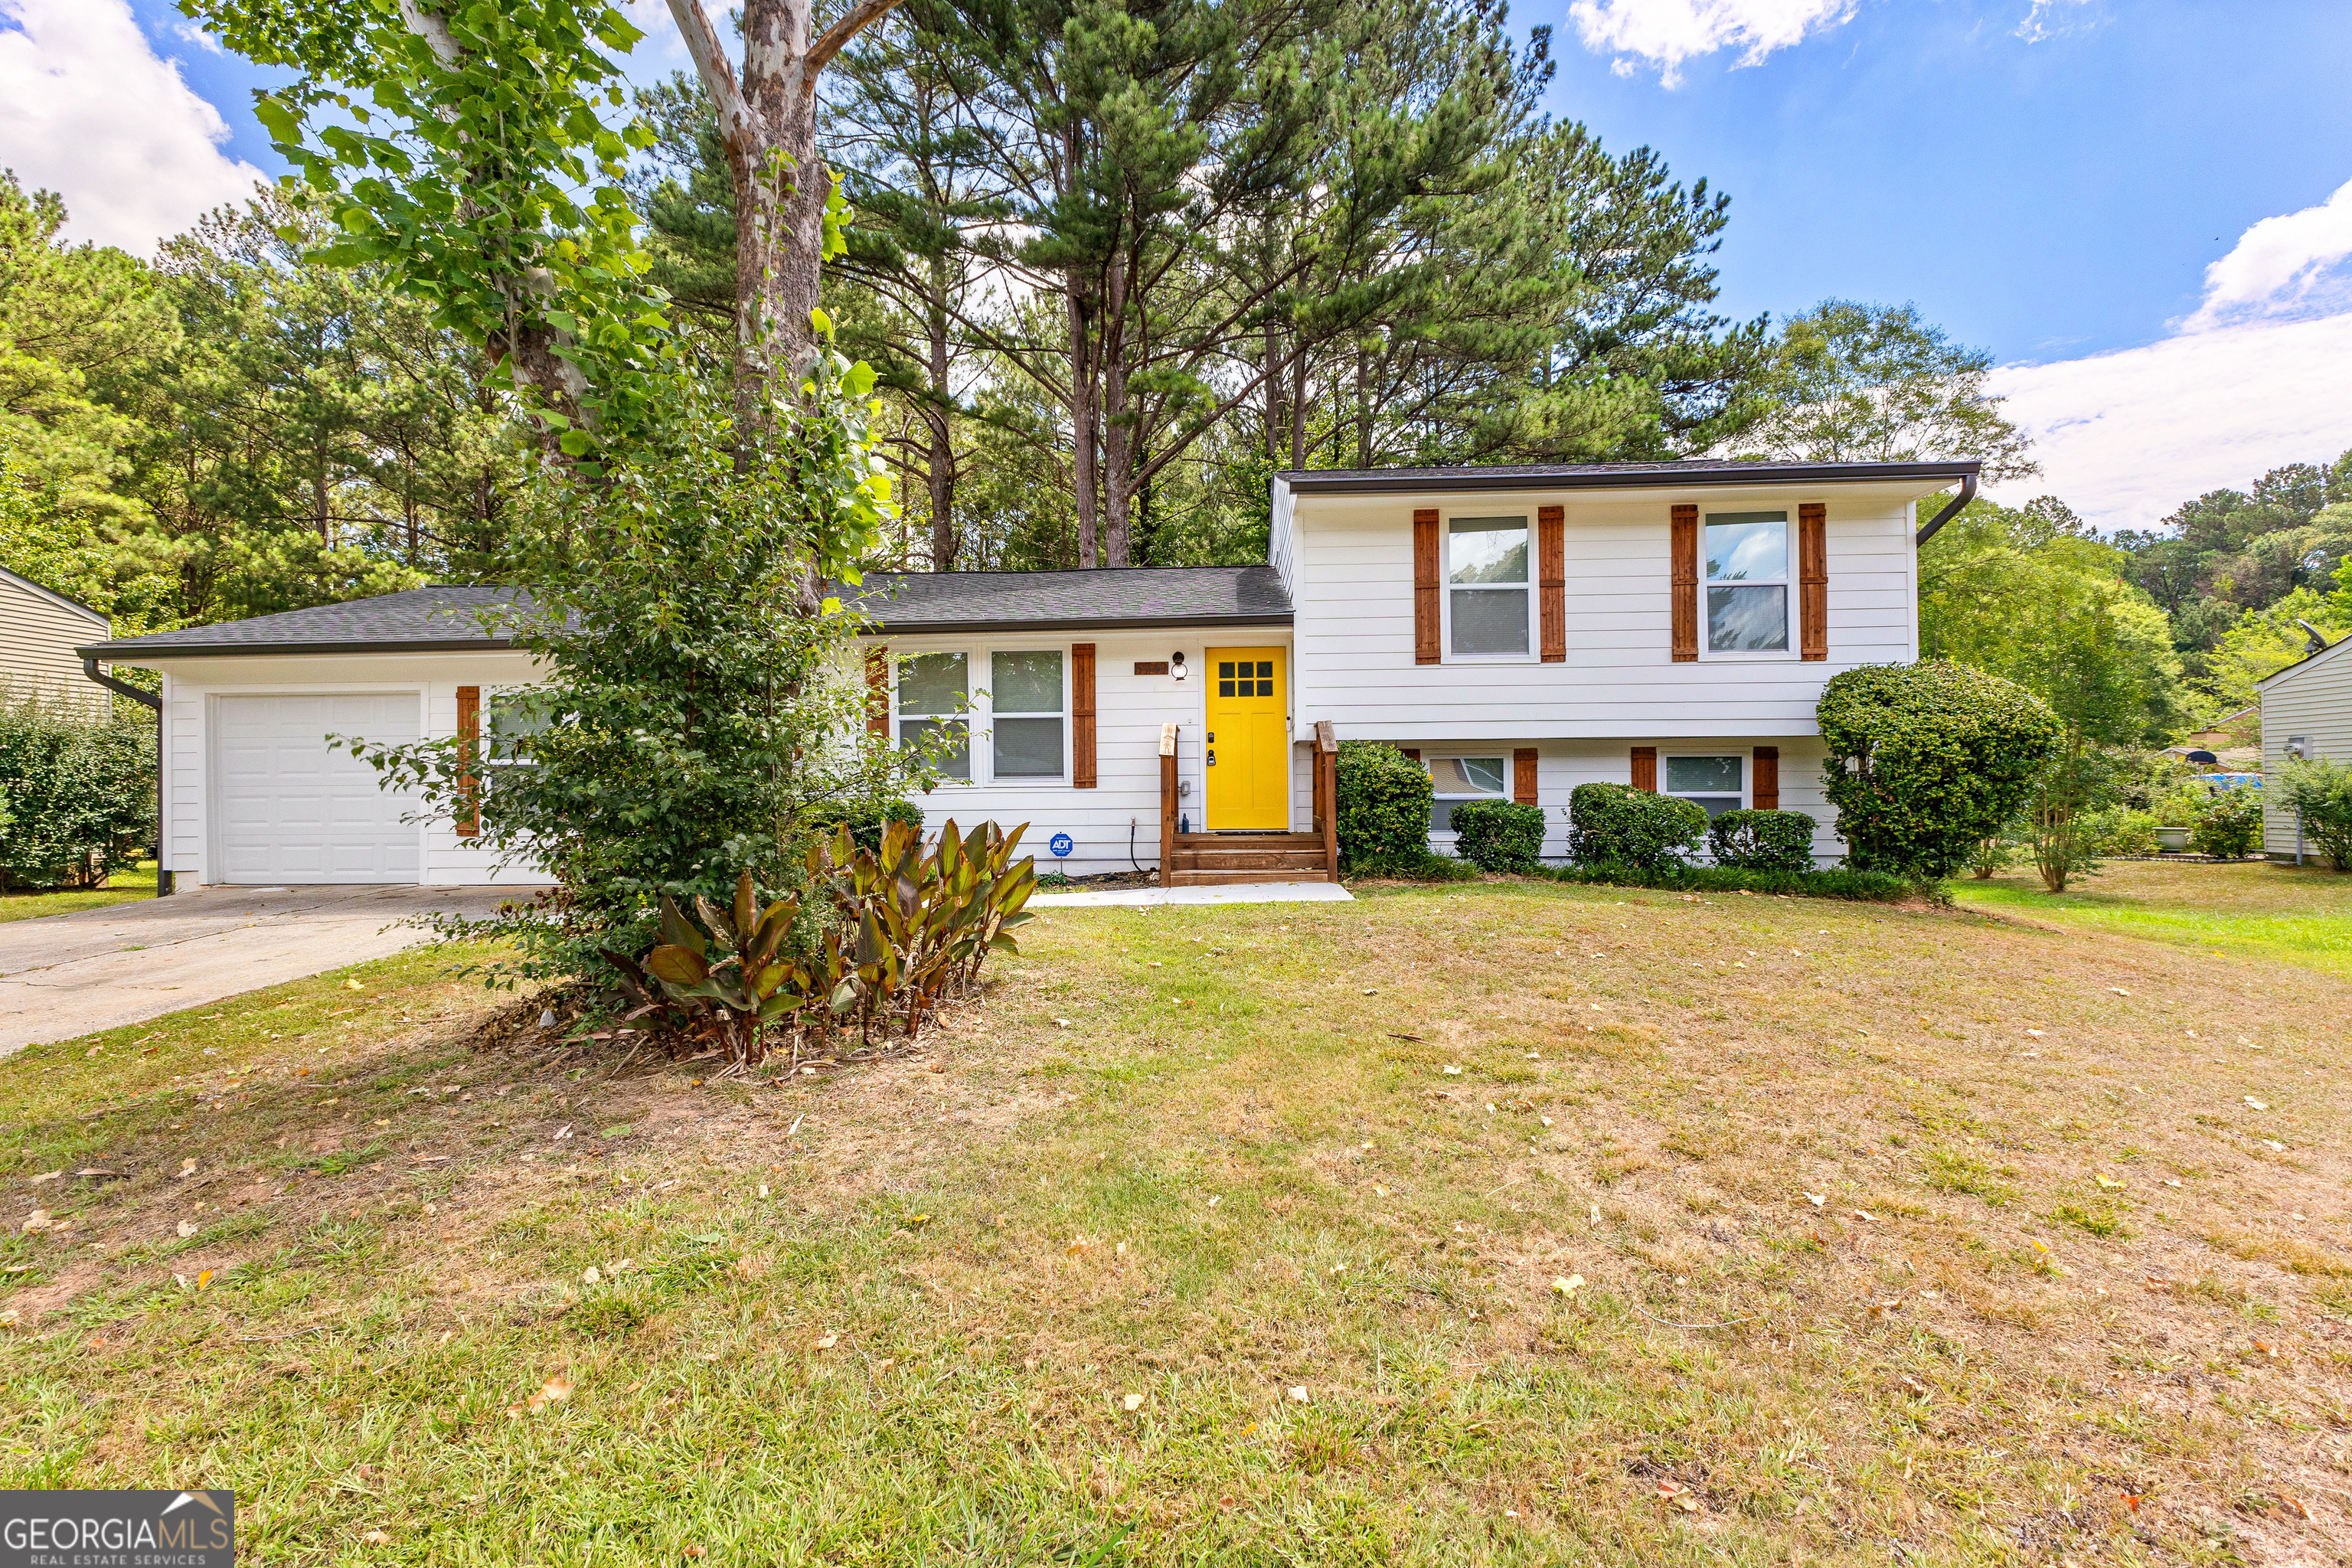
(64, 975)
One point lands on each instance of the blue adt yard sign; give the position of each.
(1060, 844)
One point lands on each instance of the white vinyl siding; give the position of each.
(2313, 699)
(39, 633)
(1354, 628)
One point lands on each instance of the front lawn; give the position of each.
(1505, 1223)
(123, 887)
(2250, 910)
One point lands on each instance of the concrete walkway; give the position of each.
(66, 975)
(1215, 893)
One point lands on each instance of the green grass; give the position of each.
(2301, 916)
(123, 887)
(1850, 1287)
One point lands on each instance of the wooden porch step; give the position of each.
(1249, 860)
(1183, 879)
(1249, 841)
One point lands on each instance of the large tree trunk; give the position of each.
(1082, 423)
(942, 461)
(767, 123)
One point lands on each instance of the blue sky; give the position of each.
(2126, 200)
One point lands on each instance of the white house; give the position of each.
(2307, 712)
(1521, 630)
(39, 628)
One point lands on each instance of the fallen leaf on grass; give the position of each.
(1452, 1071)
(554, 1391)
(187, 1227)
(1678, 1495)
(376, 1537)
(38, 1220)
(1298, 1395)
(828, 1343)
(2118, 990)
(1132, 1402)
(1817, 1199)
(589, 1276)
(1568, 1285)
(204, 1279)
(2255, 1104)
(1864, 1214)
(2131, 1500)
(2108, 1183)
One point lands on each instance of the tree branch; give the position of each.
(853, 21)
(709, 57)
(430, 27)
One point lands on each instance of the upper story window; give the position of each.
(1747, 581)
(1025, 707)
(934, 689)
(1486, 585)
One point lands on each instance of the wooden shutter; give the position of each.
(469, 749)
(1551, 579)
(1522, 775)
(1413, 752)
(1082, 715)
(1765, 785)
(1686, 583)
(1426, 642)
(877, 690)
(1813, 579)
(1646, 768)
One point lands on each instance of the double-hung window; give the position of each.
(934, 689)
(1457, 781)
(1486, 585)
(1025, 698)
(1717, 784)
(1747, 581)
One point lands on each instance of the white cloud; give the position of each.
(89, 110)
(2125, 438)
(1667, 32)
(2053, 18)
(2260, 374)
(2284, 265)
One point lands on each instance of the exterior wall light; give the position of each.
(1176, 666)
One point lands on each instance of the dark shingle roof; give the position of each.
(447, 617)
(1611, 475)
(422, 620)
(1135, 596)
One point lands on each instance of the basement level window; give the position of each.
(1457, 781)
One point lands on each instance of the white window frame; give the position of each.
(1429, 761)
(1742, 755)
(971, 714)
(1786, 583)
(1028, 781)
(1447, 587)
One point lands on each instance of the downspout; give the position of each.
(1952, 510)
(138, 694)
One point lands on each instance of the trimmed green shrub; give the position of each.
(1763, 841)
(1383, 804)
(2230, 824)
(1927, 760)
(1499, 834)
(1874, 886)
(2320, 793)
(1618, 825)
(866, 822)
(2120, 830)
(79, 792)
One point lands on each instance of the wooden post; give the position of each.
(1327, 793)
(1167, 805)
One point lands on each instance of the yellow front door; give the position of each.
(1248, 750)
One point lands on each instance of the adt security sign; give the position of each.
(1060, 844)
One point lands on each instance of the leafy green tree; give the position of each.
(1878, 384)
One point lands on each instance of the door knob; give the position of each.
(1212, 759)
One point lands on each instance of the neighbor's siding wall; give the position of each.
(38, 634)
(1355, 635)
(190, 684)
(1129, 709)
(1281, 533)
(2314, 701)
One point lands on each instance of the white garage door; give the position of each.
(286, 808)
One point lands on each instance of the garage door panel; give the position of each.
(290, 808)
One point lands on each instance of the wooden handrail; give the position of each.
(1167, 805)
(1327, 793)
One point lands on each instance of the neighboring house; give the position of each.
(39, 631)
(2307, 712)
(1521, 630)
